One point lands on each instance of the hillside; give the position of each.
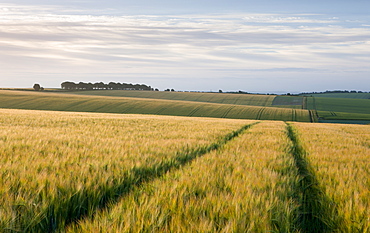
(220, 98)
(343, 95)
(108, 104)
(340, 110)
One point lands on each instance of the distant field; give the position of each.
(288, 100)
(343, 95)
(108, 104)
(296, 102)
(340, 108)
(220, 98)
(341, 105)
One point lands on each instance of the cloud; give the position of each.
(38, 41)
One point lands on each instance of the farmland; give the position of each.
(343, 95)
(57, 166)
(340, 156)
(217, 105)
(234, 193)
(98, 172)
(128, 105)
(220, 98)
(345, 109)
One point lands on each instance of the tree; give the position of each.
(37, 87)
(220, 91)
(69, 85)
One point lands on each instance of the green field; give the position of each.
(342, 109)
(296, 102)
(220, 98)
(99, 172)
(217, 105)
(128, 105)
(343, 95)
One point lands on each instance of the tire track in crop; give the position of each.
(74, 105)
(64, 211)
(160, 111)
(259, 114)
(316, 211)
(311, 115)
(194, 111)
(304, 103)
(227, 112)
(294, 115)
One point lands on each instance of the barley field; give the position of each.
(57, 166)
(99, 172)
(340, 155)
(240, 188)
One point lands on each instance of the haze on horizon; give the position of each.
(269, 46)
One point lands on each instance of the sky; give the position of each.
(264, 46)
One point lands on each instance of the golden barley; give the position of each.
(340, 155)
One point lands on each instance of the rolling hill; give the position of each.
(129, 105)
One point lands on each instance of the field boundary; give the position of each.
(316, 211)
(64, 211)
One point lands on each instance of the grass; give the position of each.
(57, 167)
(104, 104)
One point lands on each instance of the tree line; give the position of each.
(102, 86)
(335, 91)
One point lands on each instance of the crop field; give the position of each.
(236, 189)
(106, 104)
(361, 106)
(340, 155)
(94, 172)
(289, 102)
(220, 98)
(343, 95)
(340, 108)
(57, 166)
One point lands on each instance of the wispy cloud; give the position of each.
(39, 41)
